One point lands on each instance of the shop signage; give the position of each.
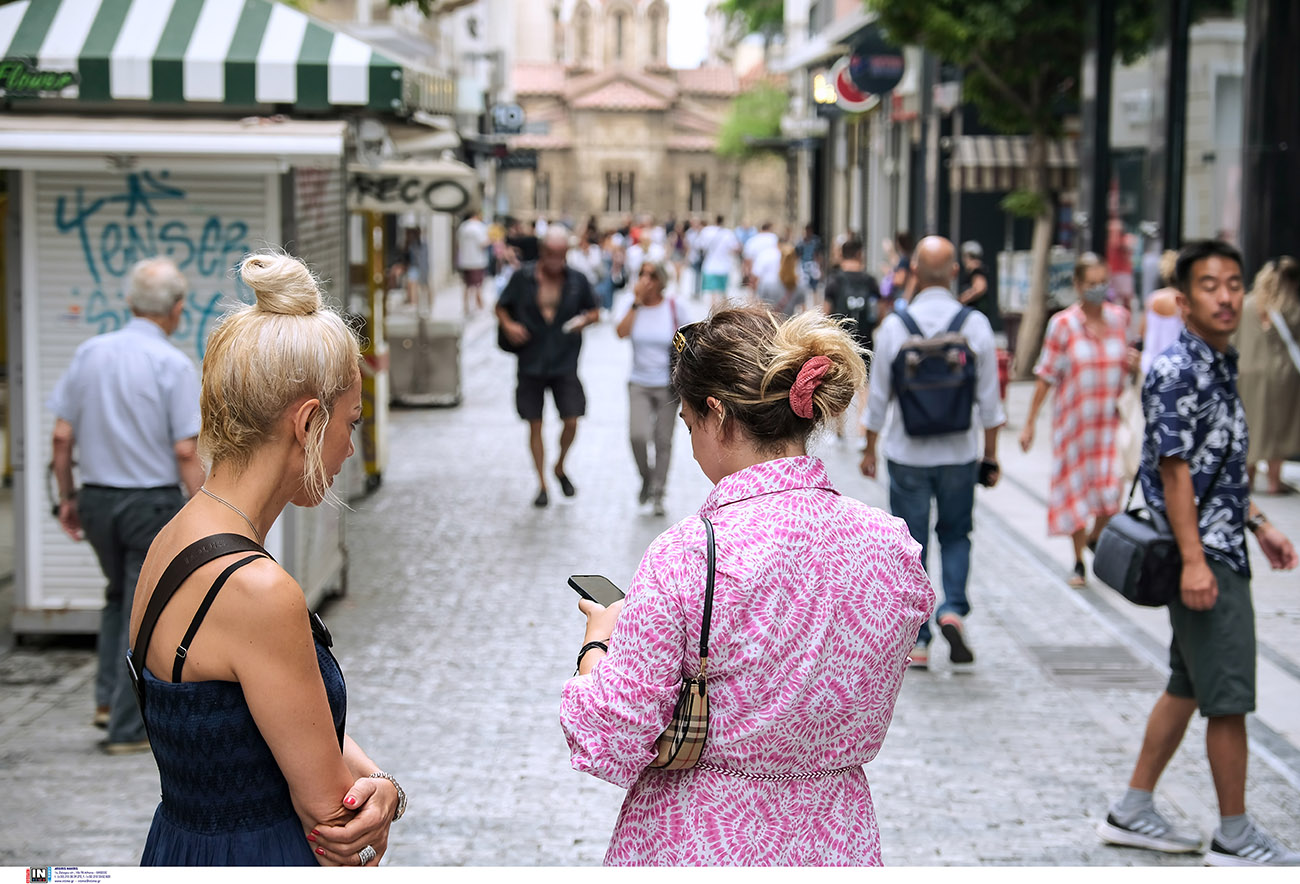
(848, 95)
(19, 77)
(874, 65)
(437, 186)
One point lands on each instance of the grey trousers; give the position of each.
(652, 413)
(119, 524)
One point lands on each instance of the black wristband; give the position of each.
(590, 646)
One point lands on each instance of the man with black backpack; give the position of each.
(852, 292)
(937, 364)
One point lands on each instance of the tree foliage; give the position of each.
(755, 113)
(755, 16)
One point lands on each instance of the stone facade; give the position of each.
(614, 131)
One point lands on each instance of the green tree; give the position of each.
(755, 113)
(755, 16)
(1021, 61)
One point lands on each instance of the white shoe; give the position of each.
(1148, 830)
(1259, 849)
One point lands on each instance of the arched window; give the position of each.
(657, 23)
(582, 35)
(620, 34)
(557, 34)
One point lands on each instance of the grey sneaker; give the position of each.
(1148, 830)
(1257, 848)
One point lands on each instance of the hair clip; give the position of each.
(679, 342)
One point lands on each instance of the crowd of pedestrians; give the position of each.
(807, 607)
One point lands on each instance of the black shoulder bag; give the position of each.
(1137, 554)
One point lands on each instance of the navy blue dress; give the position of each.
(224, 800)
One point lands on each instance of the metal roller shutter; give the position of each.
(90, 229)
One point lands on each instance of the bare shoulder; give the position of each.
(263, 587)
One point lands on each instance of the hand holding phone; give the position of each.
(596, 588)
(989, 472)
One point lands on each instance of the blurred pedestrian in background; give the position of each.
(720, 247)
(779, 288)
(810, 258)
(818, 599)
(472, 245)
(903, 282)
(244, 701)
(1086, 358)
(973, 287)
(415, 264)
(650, 322)
(542, 313)
(1269, 366)
(1162, 319)
(129, 406)
(853, 293)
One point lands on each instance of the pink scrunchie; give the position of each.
(809, 379)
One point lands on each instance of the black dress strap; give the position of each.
(187, 561)
(183, 649)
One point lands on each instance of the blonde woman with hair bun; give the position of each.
(243, 700)
(818, 600)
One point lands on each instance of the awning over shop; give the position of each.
(49, 141)
(241, 53)
(995, 163)
(413, 186)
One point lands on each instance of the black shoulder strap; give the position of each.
(960, 319)
(183, 649)
(187, 561)
(708, 589)
(909, 322)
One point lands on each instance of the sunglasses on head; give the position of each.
(684, 335)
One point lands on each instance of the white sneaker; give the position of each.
(1149, 830)
(1257, 849)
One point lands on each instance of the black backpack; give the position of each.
(858, 298)
(934, 378)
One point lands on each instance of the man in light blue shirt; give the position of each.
(129, 404)
(941, 468)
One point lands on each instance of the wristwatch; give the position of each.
(401, 795)
(1255, 522)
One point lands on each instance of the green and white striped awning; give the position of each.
(243, 53)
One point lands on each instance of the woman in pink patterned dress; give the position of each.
(817, 602)
(1086, 356)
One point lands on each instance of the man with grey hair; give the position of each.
(129, 405)
(542, 312)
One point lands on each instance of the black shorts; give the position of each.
(566, 391)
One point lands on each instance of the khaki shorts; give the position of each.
(1212, 653)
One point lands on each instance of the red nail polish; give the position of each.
(320, 850)
(311, 837)
(350, 801)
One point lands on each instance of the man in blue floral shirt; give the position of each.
(1194, 470)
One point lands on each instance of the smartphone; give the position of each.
(599, 589)
(987, 469)
(572, 324)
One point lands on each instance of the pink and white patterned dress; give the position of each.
(817, 602)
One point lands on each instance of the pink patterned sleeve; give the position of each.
(612, 716)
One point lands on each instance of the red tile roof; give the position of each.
(714, 80)
(620, 96)
(534, 78)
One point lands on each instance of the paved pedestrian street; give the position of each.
(458, 630)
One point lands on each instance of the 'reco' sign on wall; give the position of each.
(419, 187)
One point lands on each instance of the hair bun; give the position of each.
(281, 283)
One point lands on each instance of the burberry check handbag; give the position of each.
(682, 742)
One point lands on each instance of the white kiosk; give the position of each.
(173, 138)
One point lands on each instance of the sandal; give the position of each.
(1079, 577)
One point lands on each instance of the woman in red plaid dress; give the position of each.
(1086, 357)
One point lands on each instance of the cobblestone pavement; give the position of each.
(458, 631)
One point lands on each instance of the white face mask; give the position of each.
(1096, 294)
